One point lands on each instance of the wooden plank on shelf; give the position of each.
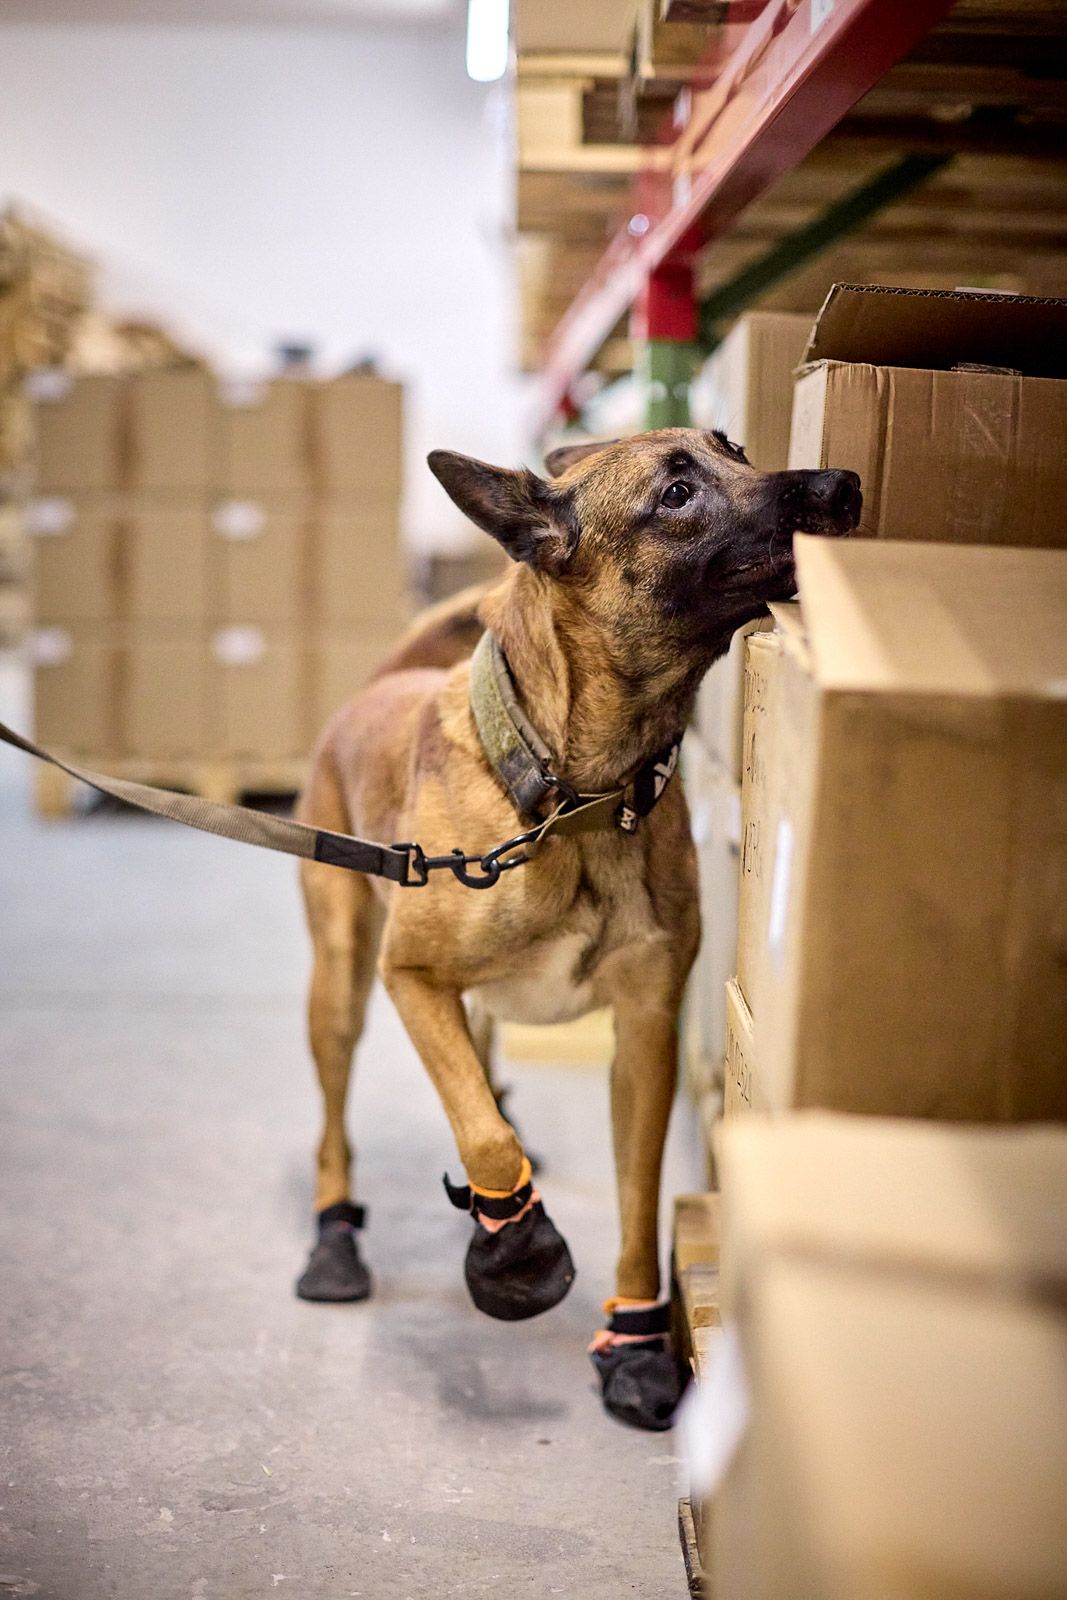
(560, 26)
(695, 1238)
(668, 50)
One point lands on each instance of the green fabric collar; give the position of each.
(525, 765)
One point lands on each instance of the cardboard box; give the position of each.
(75, 557)
(166, 570)
(719, 713)
(173, 419)
(14, 543)
(778, 728)
(262, 561)
(76, 687)
(746, 387)
(897, 1368)
(342, 663)
(715, 812)
(973, 457)
(258, 693)
(359, 437)
(80, 433)
(743, 1088)
(264, 439)
(100, 558)
(164, 693)
(358, 564)
(906, 952)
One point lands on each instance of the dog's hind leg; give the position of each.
(483, 1037)
(517, 1263)
(345, 923)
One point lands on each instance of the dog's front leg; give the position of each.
(640, 1379)
(517, 1263)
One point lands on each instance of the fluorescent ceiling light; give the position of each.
(487, 39)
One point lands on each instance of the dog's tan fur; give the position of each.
(607, 659)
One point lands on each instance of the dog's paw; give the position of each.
(641, 1384)
(336, 1271)
(521, 1270)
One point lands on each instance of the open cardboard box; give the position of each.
(968, 456)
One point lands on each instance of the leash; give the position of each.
(407, 864)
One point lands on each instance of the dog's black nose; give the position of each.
(837, 493)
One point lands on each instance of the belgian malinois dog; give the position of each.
(633, 566)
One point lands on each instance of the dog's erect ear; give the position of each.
(557, 462)
(533, 520)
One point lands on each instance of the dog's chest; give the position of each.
(554, 977)
(551, 982)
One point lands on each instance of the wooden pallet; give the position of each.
(695, 1277)
(695, 1574)
(57, 795)
(696, 1328)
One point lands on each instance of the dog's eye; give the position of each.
(677, 495)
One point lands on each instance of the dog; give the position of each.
(634, 563)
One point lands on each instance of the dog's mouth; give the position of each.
(770, 576)
(830, 525)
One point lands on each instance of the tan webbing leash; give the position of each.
(403, 864)
(513, 748)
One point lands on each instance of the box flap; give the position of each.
(885, 615)
(986, 1203)
(939, 328)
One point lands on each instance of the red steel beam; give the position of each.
(797, 69)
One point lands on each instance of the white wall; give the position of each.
(348, 186)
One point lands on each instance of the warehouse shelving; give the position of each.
(792, 107)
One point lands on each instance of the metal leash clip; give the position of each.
(420, 865)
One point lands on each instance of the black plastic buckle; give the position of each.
(464, 1198)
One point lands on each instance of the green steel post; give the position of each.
(666, 370)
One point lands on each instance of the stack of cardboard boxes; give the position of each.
(44, 289)
(903, 737)
(215, 568)
(900, 954)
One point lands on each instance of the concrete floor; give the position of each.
(173, 1422)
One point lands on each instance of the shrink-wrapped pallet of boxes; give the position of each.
(203, 560)
(884, 1415)
(904, 861)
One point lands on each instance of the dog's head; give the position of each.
(672, 531)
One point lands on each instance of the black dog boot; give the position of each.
(335, 1269)
(518, 1271)
(641, 1382)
